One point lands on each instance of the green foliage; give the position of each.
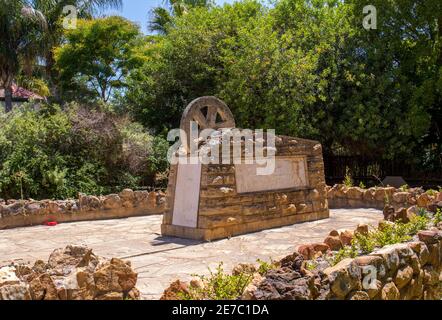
(54, 153)
(265, 266)
(305, 68)
(438, 217)
(362, 185)
(348, 179)
(218, 286)
(404, 188)
(97, 56)
(390, 233)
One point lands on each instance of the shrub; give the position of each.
(56, 153)
(390, 233)
(348, 179)
(218, 286)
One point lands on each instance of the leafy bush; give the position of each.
(390, 233)
(55, 153)
(219, 286)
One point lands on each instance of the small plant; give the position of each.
(432, 192)
(218, 286)
(362, 185)
(264, 266)
(348, 179)
(437, 217)
(404, 188)
(311, 265)
(344, 253)
(391, 233)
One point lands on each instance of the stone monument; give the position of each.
(215, 201)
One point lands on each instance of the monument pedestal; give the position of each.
(215, 201)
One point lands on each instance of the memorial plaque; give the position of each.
(187, 195)
(289, 174)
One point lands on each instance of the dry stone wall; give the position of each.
(404, 271)
(128, 203)
(340, 196)
(73, 273)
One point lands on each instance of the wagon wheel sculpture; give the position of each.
(207, 113)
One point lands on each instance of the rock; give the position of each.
(244, 268)
(402, 216)
(8, 276)
(64, 261)
(431, 276)
(346, 236)
(423, 200)
(72, 273)
(334, 233)
(112, 201)
(344, 277)
(334, 243)
(362, 229)
(249, 291)
(111, 296)
(127, 195)
(354, 193)
(310, 251)
(389, 213)
(358, 295)
(400, 197)
(403, 277)
(43, 288)
(390, 292)
(429, 237)
(18, 291)
(115, 275)
(175, 291)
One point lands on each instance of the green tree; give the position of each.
(162, 17)
(21, 28)
(97, 56)
(53, 37)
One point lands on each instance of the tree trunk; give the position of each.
(8, 98)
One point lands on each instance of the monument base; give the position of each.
(239, 229)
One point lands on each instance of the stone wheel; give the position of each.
(208, 113)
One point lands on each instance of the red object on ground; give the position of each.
(51, 223)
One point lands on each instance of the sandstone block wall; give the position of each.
(223, 212)
(128, 203)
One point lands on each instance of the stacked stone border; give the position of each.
(128, 203)
(72, 273)
(341, 196)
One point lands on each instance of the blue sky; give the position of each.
(138, 10)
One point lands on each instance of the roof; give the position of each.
(21, 94)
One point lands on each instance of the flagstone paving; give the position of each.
(160, 260)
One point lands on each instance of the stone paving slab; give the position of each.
(161, 260)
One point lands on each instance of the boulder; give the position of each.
(358, 295)
(390, 292)
(112, 201)
(429, 237)
(403, 277)
(346, 236)
(400, 197)
(362, 229)
(423, 200)
(334, 242)
(344, 277)
(115, 275)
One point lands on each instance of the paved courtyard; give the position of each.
(160, 260)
